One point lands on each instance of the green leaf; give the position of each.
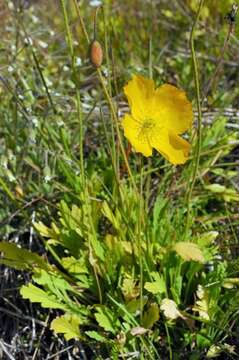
(67, 325)
(94, 335)
(216, 188)
(134, 305)
(75, 266)
(228, 194)
(21, 258)
(97, 247)
(150, 316)
(214, 133)
(47, 232)
(189, 251)
(231, 195)
(230, 283)
(159, 214)
(129, 288)
(71, 219)
(202, 340)
(57, 289)
(107, 212)
(153, 287)
(207, 238)
(52, 281)
(156, 287)
(105, 319)
(37, 295)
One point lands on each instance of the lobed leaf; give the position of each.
(94, 335)
(156, 287)
(21, 259)
(105, 319)
(67, 325)
(189, 251)
(37, 295)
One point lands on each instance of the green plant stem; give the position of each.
(80, 117)
(148, 178)
(78, 100)
(199, 120)
(140, 238)
(112, 108)
(43, 79)
(108, 98)
(114, 147)
(82, 24)
(169, 342)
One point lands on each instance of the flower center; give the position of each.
(148, 124)
(145, 132)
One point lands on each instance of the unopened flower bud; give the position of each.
(96, 54)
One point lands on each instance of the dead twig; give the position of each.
(22, 316)
(5, 350)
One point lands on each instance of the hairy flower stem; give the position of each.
(141, 205)
(80, 117)
(78, 100)
(199, 120)
(82, 24)
(114, 147)
(114, 115)
(109, 100)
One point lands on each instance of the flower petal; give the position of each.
(173, 107)
(174, 148)
(139, 92)
(132, 131)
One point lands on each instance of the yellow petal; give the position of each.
(171, 146)
(132, 131)
(173, 108)
(139, 92)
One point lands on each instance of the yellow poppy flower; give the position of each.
(158, 117)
